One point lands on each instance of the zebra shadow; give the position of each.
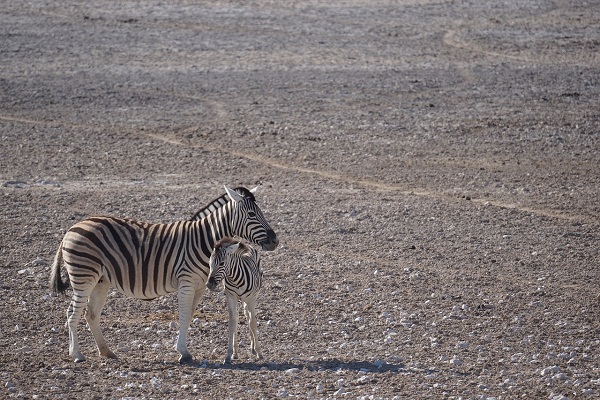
(310, 365)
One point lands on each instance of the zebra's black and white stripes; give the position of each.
(146, 261)
(238, 266)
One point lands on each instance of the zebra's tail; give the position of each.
(56, 282)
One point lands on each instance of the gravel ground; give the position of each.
(432, 169)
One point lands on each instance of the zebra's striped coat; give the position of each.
(146, 261)
(238, 266)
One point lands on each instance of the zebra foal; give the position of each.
(146, 261)
(238, 265)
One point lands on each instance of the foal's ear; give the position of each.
(233, 195)
(253, 191)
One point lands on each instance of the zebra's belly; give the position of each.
(138, 288)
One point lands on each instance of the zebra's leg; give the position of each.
(232, 344)
(74, 314)
(197, 296)
(250, 311)
(185, 298)
(92, 316)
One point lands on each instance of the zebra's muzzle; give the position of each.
(271, 242)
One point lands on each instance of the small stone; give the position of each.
(292, 370)
(40, 262)
(462, 345)
(550, 370)
(456, 361)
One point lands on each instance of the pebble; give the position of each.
(462, 345)
(40, 262)
(550, 370)
(292, 370)
(456, 361)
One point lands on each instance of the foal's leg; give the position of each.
(92, 316)
(233, 322)
(250, 311)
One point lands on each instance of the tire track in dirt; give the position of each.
(377, 185)
(285, 166)
(450, 39)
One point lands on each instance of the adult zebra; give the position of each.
(146, 261)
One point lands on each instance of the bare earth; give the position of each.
(432, 169)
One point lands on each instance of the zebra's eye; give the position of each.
(251, 214)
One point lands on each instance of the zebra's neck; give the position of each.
(213, 227)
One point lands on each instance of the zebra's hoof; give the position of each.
(110, 354)
(79, 359)
(186, 359)
(227, 361)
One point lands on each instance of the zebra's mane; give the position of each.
(220, 202)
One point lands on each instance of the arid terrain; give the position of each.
(432, 169)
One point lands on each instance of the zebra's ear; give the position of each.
(233, 248)
(253, 191)
(233, 195)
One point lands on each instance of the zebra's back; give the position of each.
(139, 259)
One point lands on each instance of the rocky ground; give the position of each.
(432, 169)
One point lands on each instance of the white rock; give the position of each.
(173, 325)
(282, 392)
(560, 377)
(40, 262)
(292, 370)
(154, 381)
(341, 391)
(319, 388)
(462, 345)
(550, 370)
(456, 361)
(557, 397)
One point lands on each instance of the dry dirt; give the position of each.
(432, 169)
